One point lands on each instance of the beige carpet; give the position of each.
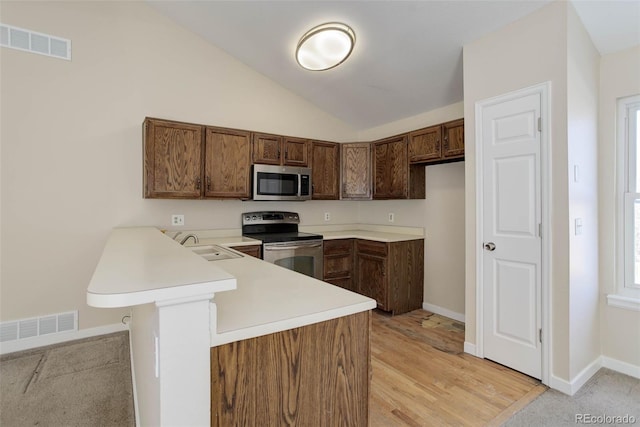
(82, 383)
(607, 394)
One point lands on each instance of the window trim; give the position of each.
(626, 295)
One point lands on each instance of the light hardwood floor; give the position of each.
(421, 377)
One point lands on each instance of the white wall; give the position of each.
(528, 52)
(71, 154)
(620, 328)
(441, 215)
(583, 62)
(72, 146)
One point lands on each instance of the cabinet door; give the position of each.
(453, 139)
(338, 262)
(371, 274)
(172, 160)
(266, 148)
(296, 152)
(425, 144)
(325, 170)
(252, 250)
(390, 168)
(227, 163)
(356, 171)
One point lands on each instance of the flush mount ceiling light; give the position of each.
(325, 46)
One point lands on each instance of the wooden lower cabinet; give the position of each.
(252, 250)
(316, 375)
(338, 263)
(391, 273)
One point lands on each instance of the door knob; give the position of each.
(490, 246)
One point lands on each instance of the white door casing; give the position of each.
(510, 275)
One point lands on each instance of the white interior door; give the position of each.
(512, 249)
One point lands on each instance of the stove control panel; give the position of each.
(270, 217)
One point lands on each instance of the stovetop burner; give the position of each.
(284, 237)
(274, 226)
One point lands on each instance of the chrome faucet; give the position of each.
(187, 237)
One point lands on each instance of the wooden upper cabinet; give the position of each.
(356, 171)
(453, 139)
(437, 144)
(325, 169)
(280, 150)
(227, 163)
(296, 152)
(391, 168)
(266, 148)
(425, 144)
(172, 159)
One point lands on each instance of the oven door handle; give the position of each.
(288, 248)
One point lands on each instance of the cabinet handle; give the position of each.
(198, 183)
(278, 151)
(208, 183)
(286, 153)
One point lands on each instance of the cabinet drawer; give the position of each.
(372, 248)
(338, 266)
(340, 246)
(252, 250)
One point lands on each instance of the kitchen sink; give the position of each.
(214, 252)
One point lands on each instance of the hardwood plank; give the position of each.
(422, 377)
(313, 375)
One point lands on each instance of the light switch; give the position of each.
(578, 226)
(576, 173)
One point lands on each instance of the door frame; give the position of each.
(544, 89)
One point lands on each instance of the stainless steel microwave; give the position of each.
(281, 183)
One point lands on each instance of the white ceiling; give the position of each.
(408, 54)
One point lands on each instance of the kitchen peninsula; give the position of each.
(234, 340)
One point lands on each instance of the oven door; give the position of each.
(302, 256)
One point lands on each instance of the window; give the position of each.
(628, 140)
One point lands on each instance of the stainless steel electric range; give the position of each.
(282, 243)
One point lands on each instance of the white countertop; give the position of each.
(270, 299)
(379, 233)
(377, 236)
(225, 241)
(141, 265)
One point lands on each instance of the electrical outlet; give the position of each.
(327, 216)
(177, 219)
(391, 216)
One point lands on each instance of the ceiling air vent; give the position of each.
(31, 41)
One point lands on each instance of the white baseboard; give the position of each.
(44, 340)
(470, 349)
(620, 366)
(560, 384)
(443, 312)
(571, 387)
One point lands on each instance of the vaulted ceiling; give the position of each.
(408, 54)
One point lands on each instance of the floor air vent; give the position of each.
(38, 326)
(31, 41)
